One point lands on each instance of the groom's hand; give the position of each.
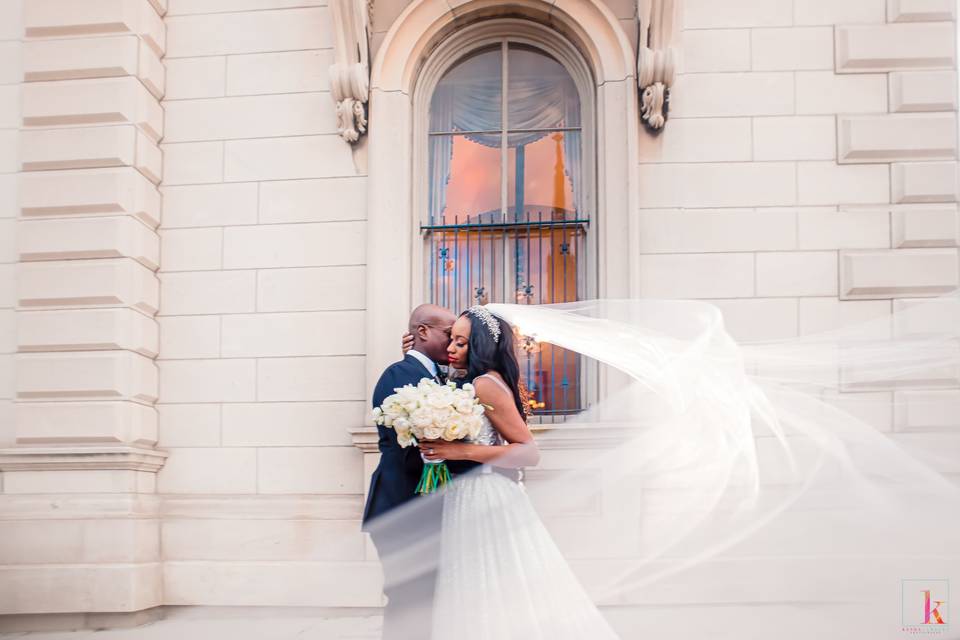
(406, 342)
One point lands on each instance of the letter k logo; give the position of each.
(928, 612)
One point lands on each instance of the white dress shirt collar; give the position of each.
(427, 362)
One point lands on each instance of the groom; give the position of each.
(395, 480)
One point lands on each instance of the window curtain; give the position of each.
(534, 103)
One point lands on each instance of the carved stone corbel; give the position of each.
(350, 72)
(656, 58)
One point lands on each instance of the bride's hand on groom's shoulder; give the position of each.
(443, 450)
(406, 342)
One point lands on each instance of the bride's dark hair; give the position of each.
(484, 354)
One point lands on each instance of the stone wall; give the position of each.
(807, 177)
(79, 504)
(10, 75)
(798, 186)
(262, 289)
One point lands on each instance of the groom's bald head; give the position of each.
(431, 314)
(430, 325)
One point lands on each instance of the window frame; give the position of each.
(447, 54)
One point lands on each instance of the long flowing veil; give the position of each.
(782, 488)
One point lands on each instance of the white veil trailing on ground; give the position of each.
(780, 488)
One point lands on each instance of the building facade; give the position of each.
(215, 216)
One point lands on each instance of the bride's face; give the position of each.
(459, 343)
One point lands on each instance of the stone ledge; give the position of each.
(920, 10)
(897, 273)
(923, 91)
(68, 458)
(78, 588)
(894, 47)
(72, 284)
(264, 507)
(926, 411)
(87, 423)
(87, 330)
(90, 192)
(892, 138)
(296, 583)
(57, 18)
(78, 506)
(926, 227)
(28, 622)
(77, 58)
(91, 148)
(918, 182)
(112, 100)
(47, 240)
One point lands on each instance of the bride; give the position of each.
(732, 477)
(495, 552)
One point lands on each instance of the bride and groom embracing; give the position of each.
(473, 560)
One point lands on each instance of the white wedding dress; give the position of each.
(500, 574)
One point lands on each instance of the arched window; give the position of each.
(505, 219)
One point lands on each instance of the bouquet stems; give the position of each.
(435, 475)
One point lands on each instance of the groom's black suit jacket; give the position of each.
(395, 479)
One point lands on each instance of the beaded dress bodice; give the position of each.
(489, 435)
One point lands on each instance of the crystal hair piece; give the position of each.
(487, 318)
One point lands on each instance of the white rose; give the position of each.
(463, 395)
(433, 432)
(404, 438)
(465, 406)
(422, 417)
(440, 399)
(458, 430)
(450, 414)
(408, 403)
(452, 432)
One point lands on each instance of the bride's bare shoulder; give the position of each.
(490, 384)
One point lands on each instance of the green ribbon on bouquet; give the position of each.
(435, 475)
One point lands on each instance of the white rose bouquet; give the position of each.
(431, 411)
